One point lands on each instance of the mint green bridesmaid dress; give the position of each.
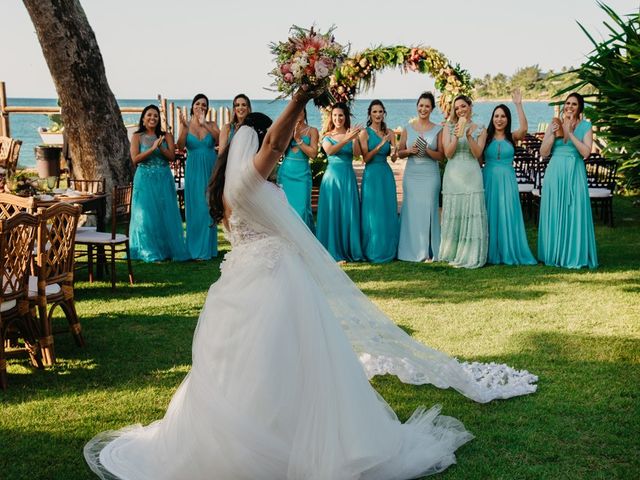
(566, 237)
(465, 237)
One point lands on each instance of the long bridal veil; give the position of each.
(383, 347)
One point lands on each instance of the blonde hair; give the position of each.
(453, 118)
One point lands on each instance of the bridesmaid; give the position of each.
(155, 230)
(465, 236)
(294, 174)
(507, 236)
(420, 214)
(338, 226)
(565, 234)
(379, 201)
(241, 108)
(199, 137)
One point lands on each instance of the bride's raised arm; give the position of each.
(279, 135)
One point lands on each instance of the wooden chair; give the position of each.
(9, 153)
(87, 186)
(10, 205)
(601, 179)
(17, 236)
(52, 284)
(113, 241)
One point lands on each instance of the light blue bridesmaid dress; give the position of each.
(380, 225)
(566, 237)
(294, 175)
(420, 213)
(202, 234)
(465, 235)
(338, 227)
(155, 230)
(507, 236)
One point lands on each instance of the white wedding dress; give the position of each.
(282, 354)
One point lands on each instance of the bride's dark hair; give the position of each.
(260, 123)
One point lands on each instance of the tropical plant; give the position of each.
(613, 68)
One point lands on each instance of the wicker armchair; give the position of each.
(52, 286)
(17, 236)
(13, 204)
(9, 153)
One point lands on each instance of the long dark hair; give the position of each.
(347, 116)
(198, 97)
(580, 100)
(234, 117)
(427, 96)
(260, 123)
(491, 129)
(369, 122)
(141, 127)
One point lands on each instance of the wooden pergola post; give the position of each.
(5, 131)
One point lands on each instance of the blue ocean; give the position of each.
(399, 111)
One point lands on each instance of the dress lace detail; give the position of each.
(251, 246)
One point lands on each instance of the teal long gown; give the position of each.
(465, 238)
(420, 213)
(294, 176)
(202, 234)
(338, 223)
(155, 230)
(507, 237)
(566, 237)
(379, 214)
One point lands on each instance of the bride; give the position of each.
(282, 354)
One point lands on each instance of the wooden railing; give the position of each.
(168, 112)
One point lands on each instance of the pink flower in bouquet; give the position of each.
(285, 68)
(288, 77)
(321, 69)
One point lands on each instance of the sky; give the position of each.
(179, 48)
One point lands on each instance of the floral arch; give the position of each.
(357, 73)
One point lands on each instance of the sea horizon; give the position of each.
(399, 111)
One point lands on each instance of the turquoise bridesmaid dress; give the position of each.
(155, 230)
(507, 237)
(420, 213)
(338, 227)
(294, 176)
(202, 234)
(565, 234)
(465, 237)
(380, 226)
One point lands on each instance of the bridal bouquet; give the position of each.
(307, 60)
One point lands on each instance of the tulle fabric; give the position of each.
(276, 390)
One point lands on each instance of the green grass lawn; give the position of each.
(578, 330)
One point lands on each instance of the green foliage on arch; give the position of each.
(358, 72)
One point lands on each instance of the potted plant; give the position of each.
(52, 135)
(48, 160)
